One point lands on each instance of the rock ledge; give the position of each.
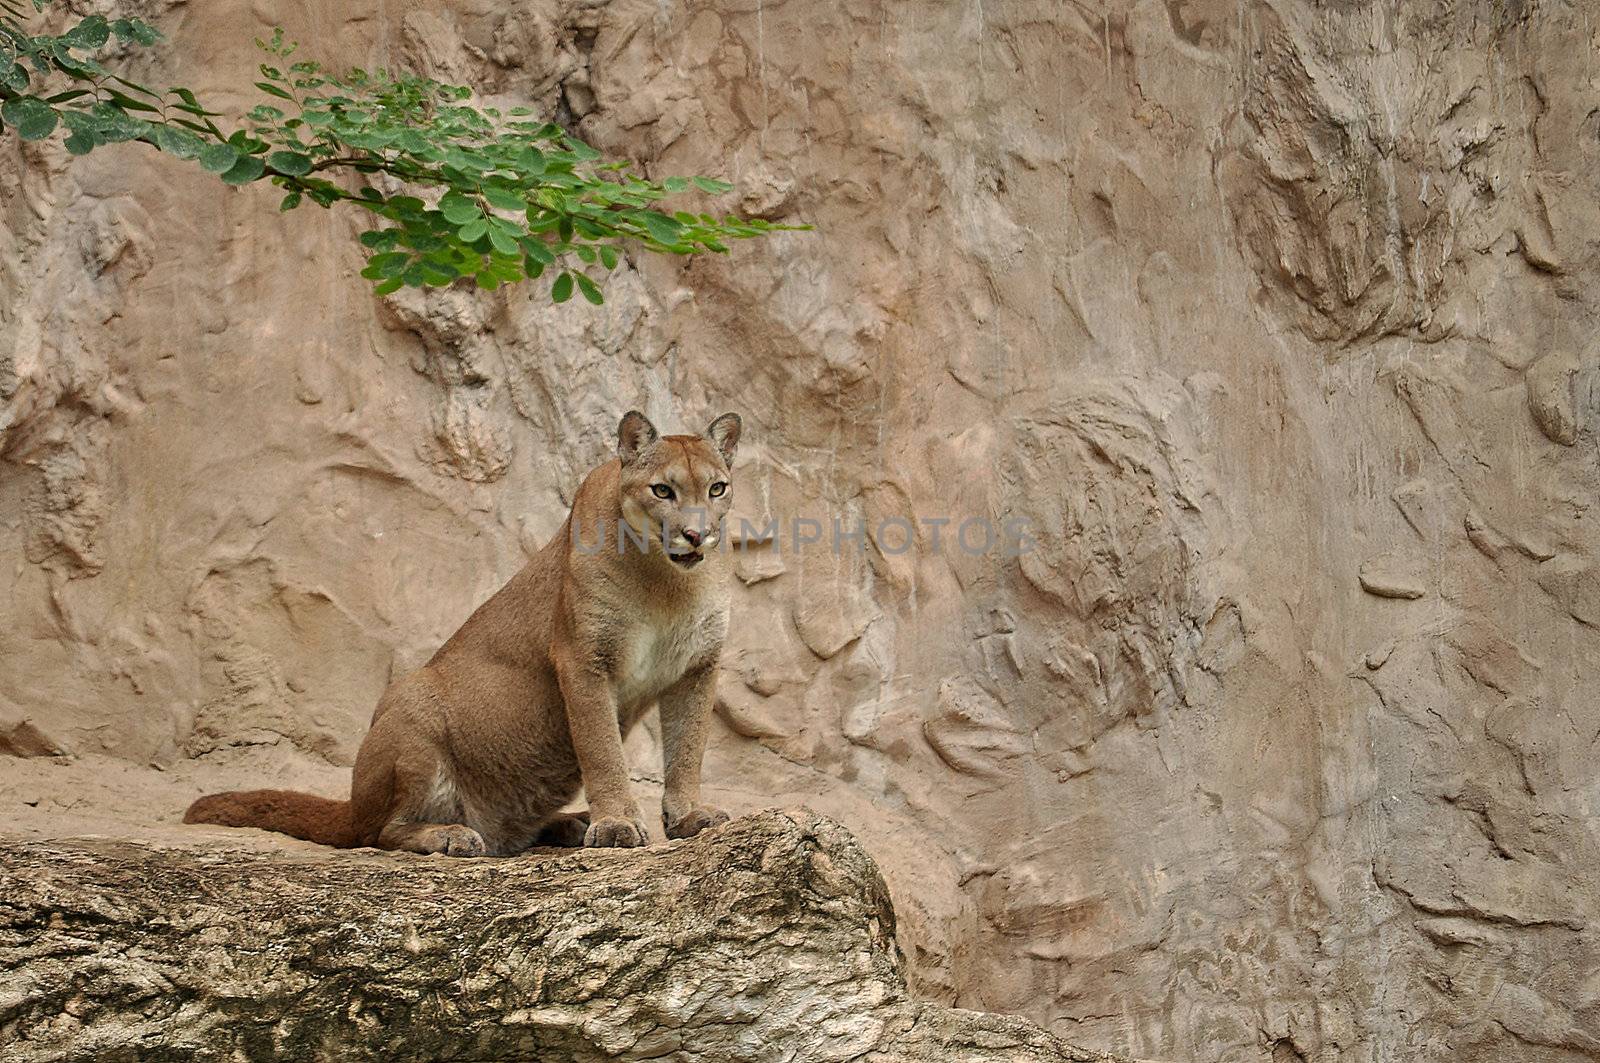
(769, 939)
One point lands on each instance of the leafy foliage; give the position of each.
(455, 190)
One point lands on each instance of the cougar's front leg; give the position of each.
(685, 713)
(591, 702)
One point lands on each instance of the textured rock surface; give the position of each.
(770, 939)
(1277, 319)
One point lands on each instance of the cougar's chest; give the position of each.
(658, 651)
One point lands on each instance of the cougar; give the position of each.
(476, 752)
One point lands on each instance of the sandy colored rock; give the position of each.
(772, 938)
(23, 739)
(1551, 396)
(1226, 300)
(1388, 577)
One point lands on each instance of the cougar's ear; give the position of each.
(633, 435)
(724, 435)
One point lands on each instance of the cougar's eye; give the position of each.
(717, 489)
(661, 490)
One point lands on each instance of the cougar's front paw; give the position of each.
(694, 821)
(610, 832)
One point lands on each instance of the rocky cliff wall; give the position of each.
(1276, 319)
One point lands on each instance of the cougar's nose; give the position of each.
(693, 536)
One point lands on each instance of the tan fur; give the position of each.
(477, 751)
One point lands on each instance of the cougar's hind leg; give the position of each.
(403, 795)
(428, 815)
(449, 839)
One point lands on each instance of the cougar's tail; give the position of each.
(316, 819)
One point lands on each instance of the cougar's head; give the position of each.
(677, 489)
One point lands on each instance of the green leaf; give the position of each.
(503, 242)
(179, 142)
(412, 141)
(60, 55)
(290, 162)
(128, 103)
(247, 169)
(561, 290)
(115, 126)
(389, 263)
(466, 161)
(425, 241)
(458, 209)
(716, 188)
(92, 32)
(608, 255)
(537, 251)
(393, 284)
(586, 253)
(81, 143)
(189, 103)
(143, 32)
(532, 267)
(272, 90)
(290, 201)
(33, 118)
(663, 230)
(218, 158)
(437, 274)
(590, 292)
(208, 129)
(136, 87)
(473, 230)
(676, 184)
(504, 198)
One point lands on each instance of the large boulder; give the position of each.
(769, 939)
